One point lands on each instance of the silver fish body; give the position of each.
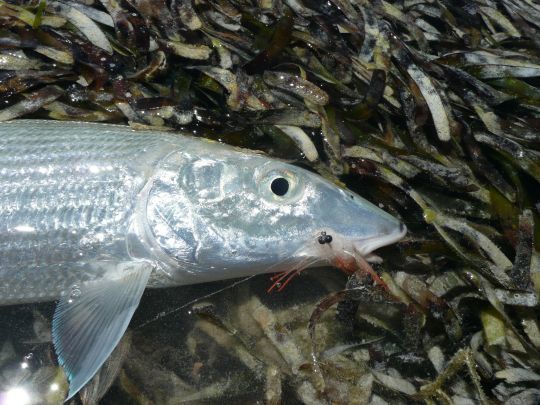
(92, 214)
(67, 200)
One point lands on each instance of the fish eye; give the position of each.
(279, 186)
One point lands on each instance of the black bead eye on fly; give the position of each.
(279, 186)
(324, 238)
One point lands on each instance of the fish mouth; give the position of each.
(368, 245)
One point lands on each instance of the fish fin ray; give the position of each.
(87, 328)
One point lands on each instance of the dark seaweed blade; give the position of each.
(281, 37)
(430, 109)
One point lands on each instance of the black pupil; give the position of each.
(280, 186)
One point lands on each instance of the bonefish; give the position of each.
(92, 214)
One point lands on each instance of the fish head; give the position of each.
(323, 220)
(237, 214)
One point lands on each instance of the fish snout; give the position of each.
(388, 234)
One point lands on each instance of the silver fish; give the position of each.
(92, 214)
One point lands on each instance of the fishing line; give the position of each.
(274, 267)
(167, 313)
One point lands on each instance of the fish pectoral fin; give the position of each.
(87, 327)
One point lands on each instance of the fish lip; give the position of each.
(368, 245)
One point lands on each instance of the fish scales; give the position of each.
(65, 200)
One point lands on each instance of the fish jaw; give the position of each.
(361, 237)
(366, 246)
(343, 249)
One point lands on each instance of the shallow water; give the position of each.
(220, 347)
